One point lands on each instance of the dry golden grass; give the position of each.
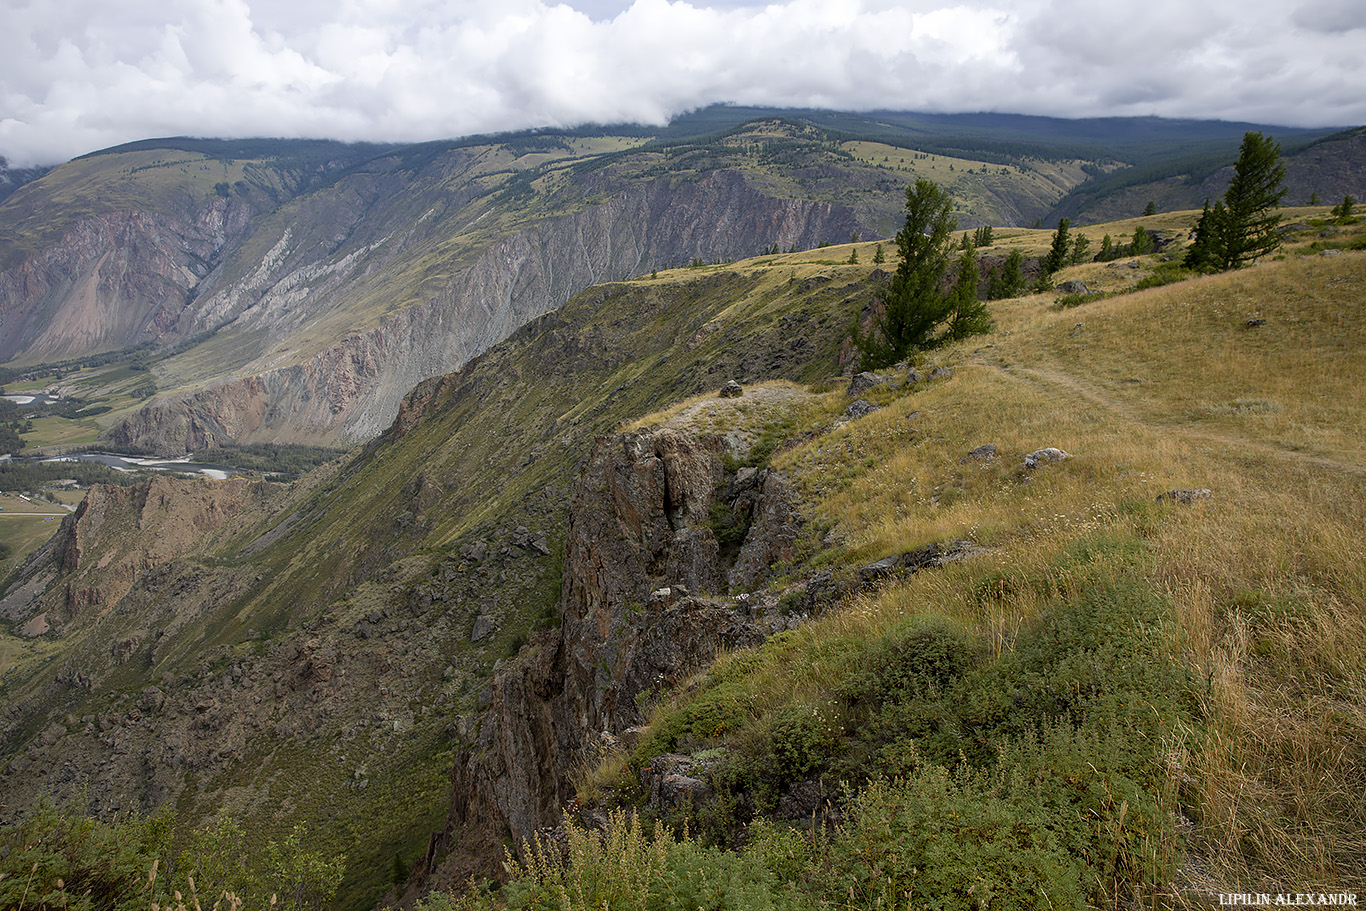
(1164, 389)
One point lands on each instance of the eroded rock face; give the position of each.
(645, 603)
(351, 388)
(113, 280)
(118, 534)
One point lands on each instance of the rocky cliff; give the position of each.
(112, 280)
(322, 654)
(351, 390)
(646, 602)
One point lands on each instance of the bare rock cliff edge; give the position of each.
(645, 603)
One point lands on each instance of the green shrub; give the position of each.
(801, 738)
(627, 868)
(60, 860)
(922, 656)
(1067, 301)
(947, 840)
(1165, 274)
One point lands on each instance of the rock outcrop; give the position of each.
(118, 534)
(645, 602)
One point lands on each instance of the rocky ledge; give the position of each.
(659, 536)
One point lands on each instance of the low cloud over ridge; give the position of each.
(79, 75)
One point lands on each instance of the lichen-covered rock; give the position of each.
(862, 382)
(859, 408)
(985, 453)
(1041, 456)
(1187, 496)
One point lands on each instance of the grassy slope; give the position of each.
(1258, 600)
(496, 449)
(516, 421)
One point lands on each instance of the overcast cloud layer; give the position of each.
(80, 75)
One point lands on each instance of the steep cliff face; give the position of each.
(118, 534)
(321, 659)
(112, 280)
(645, 603)
(351, 390)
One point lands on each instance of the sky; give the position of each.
(81, 75)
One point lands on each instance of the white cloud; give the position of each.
(84, 74)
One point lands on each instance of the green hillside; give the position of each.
(1106, 699)
(1119, 694)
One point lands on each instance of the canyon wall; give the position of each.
(351, 390)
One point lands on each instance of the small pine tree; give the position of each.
(1343, 210)
(1057, 255)
(1150, 208)
(1079, 249)
(982, 238)
(1107, 249)
(1202, 255)
(969, 315)
(853, 257)
(878, 256)
(1142, 243)
(1314, 198)
(1008, 280)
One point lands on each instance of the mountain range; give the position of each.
(294, 291)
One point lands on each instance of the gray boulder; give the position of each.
(859, 408)
(1040, 456)
(484, 626)
(862, 382)
(985, 453)
(1188, 496)
(732, 390)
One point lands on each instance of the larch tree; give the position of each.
(917, 311)
(1247, 228)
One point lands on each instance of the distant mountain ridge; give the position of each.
(298, 289)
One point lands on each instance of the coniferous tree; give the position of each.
(1062, 245)
(1008, 280)
(914, 305)
(1142, 242)
(1343, 210)
(1247, 229)
(1203, 256)
(969, 315)
(1079, 247)
(878, 256)
(1150, 208)
(1107, 249)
